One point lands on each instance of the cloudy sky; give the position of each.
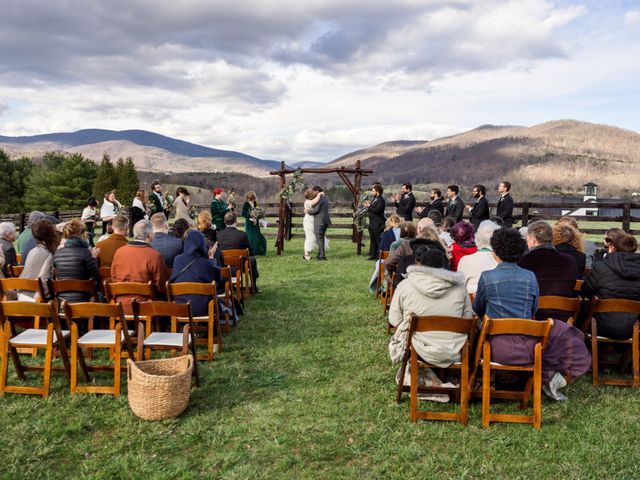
(314, 79)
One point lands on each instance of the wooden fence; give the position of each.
(342, 213)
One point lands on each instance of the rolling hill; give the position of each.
(557, 156)
(150, 151)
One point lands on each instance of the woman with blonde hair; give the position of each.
(311, 199)
(205, 227)
(391, 233)
(252, 213)
(568, 240)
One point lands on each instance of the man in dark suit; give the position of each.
(233, 239)
(504, 210)
(168, 246)
(405, 202)
(455, 208)
(375, 210)
(321, 221)
(158, 199)
(436, 204)
(480, 210)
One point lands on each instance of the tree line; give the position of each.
(63, 182)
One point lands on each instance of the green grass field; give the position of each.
(304, 389)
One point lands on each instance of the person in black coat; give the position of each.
(233, 239)
(405, 202)
(504, 210)
(455, 208)
(436, 204)
(375, 210)
(617, 276)
(480, 210)
(75, 260)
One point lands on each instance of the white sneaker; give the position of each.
(552, 389)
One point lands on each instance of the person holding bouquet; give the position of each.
(252, 214)
(219, 207)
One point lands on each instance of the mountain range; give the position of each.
(557, 156)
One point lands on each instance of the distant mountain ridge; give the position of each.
(162, 148)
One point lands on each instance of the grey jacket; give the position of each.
(320, 212)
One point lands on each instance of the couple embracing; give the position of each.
(316, 221)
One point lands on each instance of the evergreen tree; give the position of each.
(60, 183)
(128, 182)
(106, 178)
(15, 176)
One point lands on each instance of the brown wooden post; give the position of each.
(281, 213)
(525, 214)
(23, 221)
(356, 200)
(626, 217)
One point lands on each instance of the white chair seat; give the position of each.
(35, 336)
(234, 279)
(163, 339)
(103, 337)
(195, 319)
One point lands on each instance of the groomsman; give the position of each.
(504, 209)
(375, 209)
(436, 204)
(480, 210)
(455, 208)
(405, 201)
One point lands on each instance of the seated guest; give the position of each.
(26, 233)
(118, 239)
(75, 260)
(40, 261)
(509, 291)
(476, 263)
(430, 289)
(609, 237)
(464, 243)
(233, 239)
(180, 227)
(392, 232)
(404, 256)
(204, 226)
(555, 272)
(7, 237)
(617, 276)
(31, 242)
(196, 264)
(407, 232)
(139, 262)
(589, 248)
(568, 240)
(445, 229)
(168, 246)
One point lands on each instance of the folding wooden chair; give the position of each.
(578, 287)
(235, 265)
(600, 305)
(563, 304)
(112, 339)
(210, 322)
(88, 287)
(104, 274)
(10, 341)
(167, 341)
(419, 324)
(15, 270)
(30, 285)
(245, 265)
(512, 326)
(382, 256)
(227, 298)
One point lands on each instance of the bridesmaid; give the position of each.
(252, 226)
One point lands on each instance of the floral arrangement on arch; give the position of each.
(297, 182)
(360, 217)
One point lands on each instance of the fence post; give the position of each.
(626, 217)
(525, 214)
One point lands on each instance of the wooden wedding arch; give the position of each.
(354, 187)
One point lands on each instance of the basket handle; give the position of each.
(189, 361)
(129, 362)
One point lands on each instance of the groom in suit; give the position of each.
(321, 221)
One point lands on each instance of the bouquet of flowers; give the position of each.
(256, 214)
(360, 218)
(231, 198)
(193, 212)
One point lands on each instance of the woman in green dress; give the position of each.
(252, 214)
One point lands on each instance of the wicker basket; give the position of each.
(159, 389)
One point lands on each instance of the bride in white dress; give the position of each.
(311, 199)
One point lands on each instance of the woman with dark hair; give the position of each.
(180, 226)
(429, 289)
(407, 232)
(616, 276)
(75, 260)
(89, 217)
(445, 229)
(182, 206)
(509, 291)
(568, 240)
(39, 262)
(109, 209)
(252, 212)
(464, 243)
(139, 208)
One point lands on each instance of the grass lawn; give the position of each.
(304, 389)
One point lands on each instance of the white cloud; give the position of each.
(632, 19)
